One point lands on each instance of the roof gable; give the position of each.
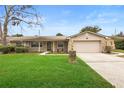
(97, 34)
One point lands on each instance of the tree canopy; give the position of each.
(94, 29)
(59, 34)
(17, 35)
(18, 15)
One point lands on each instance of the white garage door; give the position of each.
(87, 47)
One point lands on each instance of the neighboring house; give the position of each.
(82, 42)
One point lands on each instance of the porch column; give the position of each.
(24, 44)
(39, 47)
(53, 46)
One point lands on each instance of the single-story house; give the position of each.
(82, 42)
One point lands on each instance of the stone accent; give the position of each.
(72, 57)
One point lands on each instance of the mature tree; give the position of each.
(94, 29)
(17, 35)
(59, 34)
(17, 15)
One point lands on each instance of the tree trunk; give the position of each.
(1, 32)
(5, 26)
(5, 30)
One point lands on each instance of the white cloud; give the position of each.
(101, 18)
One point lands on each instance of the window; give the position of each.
(41, 45)
(34, 44)
(60, 44)
(18, 44)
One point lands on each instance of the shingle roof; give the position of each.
(37, 38)
(50, 38)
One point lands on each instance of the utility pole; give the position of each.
(39, 43)
(115, 31)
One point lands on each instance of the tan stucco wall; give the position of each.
(87, 35)
(110, 42)
(91, 37)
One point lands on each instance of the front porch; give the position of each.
(42, 46)
(52, 46)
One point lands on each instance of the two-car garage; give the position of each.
(89, 42)
(87, 46)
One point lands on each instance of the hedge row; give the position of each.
(12, 49)
(21, 50)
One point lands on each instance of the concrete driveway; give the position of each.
(108, 66)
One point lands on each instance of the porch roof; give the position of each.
(37, 38)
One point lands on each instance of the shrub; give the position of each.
(21, 49)
(108, 49)
(4, 50)
(7, 49)
(1, 45)
(119, 44)
(11, 48)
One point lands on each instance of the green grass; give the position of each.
(121, 56)
(51, 71)
(118, 50)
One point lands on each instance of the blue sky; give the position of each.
(68, 20)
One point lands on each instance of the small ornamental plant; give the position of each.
(108, 49)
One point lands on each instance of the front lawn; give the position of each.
(118, 50)
(51, 71)
(121, 56)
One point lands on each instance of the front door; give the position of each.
(49, 46)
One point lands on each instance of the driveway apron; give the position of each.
(108, 66)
